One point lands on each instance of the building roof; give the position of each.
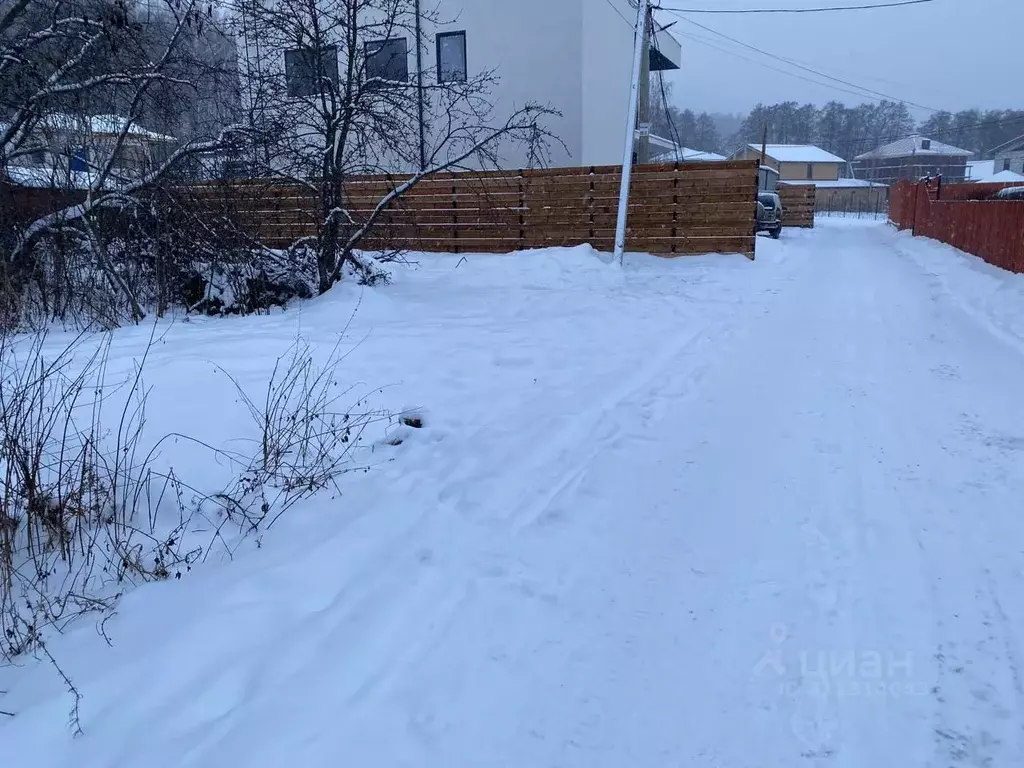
(114, 124)
(99, 125)
(670, 152)
(980, 169)
(911, 146)
(798, 153)
(1013, 145)
(687, 155)
(1002, 176)
(836, 183)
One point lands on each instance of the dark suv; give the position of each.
(769, 214)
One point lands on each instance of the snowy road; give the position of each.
(785, 529)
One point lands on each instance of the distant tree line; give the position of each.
(686, 128)
(841, 129)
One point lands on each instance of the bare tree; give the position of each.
(64, 64)
(329, 97)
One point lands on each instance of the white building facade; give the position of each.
(574, 56)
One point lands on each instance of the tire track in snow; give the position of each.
(978, 708)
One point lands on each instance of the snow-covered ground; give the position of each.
(693, 512)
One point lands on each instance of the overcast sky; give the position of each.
(947, 54)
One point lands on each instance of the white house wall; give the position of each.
(535, 49)
(574, 55)
(606, 73)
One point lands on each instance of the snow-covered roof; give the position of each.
(60, 121)
(1002, 176)
(661, 142)
(798, 153)
(114, 124)
(1013, 145)
(910, 146)
(836, 183)
(687, 155)
(696, 155)
(98, 125)
(980, 169)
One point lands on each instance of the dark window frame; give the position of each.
(1006, 164)
(926, 144)
(465, 57)
(292, 58)
(810, 170)
(367, 56)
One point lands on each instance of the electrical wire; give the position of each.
(831, 9)
(676, 138)
(619, 14)
(703, 41)
(813, 71)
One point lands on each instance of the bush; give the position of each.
(85, 509)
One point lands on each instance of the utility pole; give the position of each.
(639, 50)
(643, 141)
(419, 85)
(763, 161)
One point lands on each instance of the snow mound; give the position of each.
(990, 294)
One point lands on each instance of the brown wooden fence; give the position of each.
(991, 229)
(798, 201)
(20, 205)
(675, 209)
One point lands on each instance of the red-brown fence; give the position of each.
(674, 209)
(960, 215)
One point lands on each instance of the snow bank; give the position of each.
(992, 295)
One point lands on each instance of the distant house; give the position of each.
(1009, 156)
(65, 150)
(795, 162)
(911, 158)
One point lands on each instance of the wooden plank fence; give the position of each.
(675, 209)
(798, 203)
(990, 229)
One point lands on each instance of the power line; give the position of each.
(704, 41)
(619, 14)
(868, 141)
(813, 71)
(831, 9)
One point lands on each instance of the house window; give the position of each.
(451, 57)
(79, 159)
(926, 143)
(304, 74)
(387, 59)
(810, 170)
(1006, 164)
